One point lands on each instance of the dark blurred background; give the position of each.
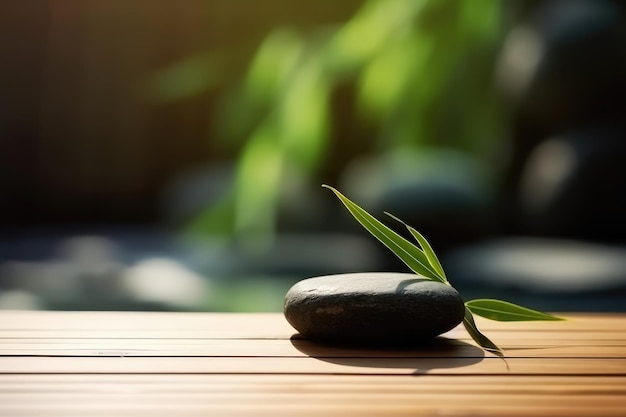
(159, 155)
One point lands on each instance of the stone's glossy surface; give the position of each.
(378, 307)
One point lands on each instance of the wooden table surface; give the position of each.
(206, 364)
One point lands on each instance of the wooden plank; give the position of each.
(292, 401)
(335, 394)
(308, 365)
(46, 395)
(142, 324)
(245, 324)
(518, 338)
(248, 366)
(545, 348)
(285, 399)
(125, 321)
(246, 408)
(234, 333)
(316, 383)
(580, 330)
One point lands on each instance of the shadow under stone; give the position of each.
(423, 356)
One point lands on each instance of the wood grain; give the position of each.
(140, 364)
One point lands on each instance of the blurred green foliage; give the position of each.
(421, 76)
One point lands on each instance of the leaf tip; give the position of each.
(394, 217)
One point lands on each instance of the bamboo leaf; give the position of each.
(504, 311)
(482, 340)
(410, 254)
(428, 250)
(424, 262)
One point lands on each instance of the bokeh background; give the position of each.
(160, 155)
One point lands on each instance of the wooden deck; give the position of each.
(203, 364)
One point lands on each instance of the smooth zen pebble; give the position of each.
(372, 307)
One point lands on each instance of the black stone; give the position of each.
(372, 307)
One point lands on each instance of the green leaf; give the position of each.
(424, 262)
(428, 250)
(504, 311)
(482, 340)
(410, 254)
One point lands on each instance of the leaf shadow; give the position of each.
(402, 285)
(423, 356)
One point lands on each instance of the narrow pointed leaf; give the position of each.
(482, 340)
(410, 254)
(504, 311)
(428, 250)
